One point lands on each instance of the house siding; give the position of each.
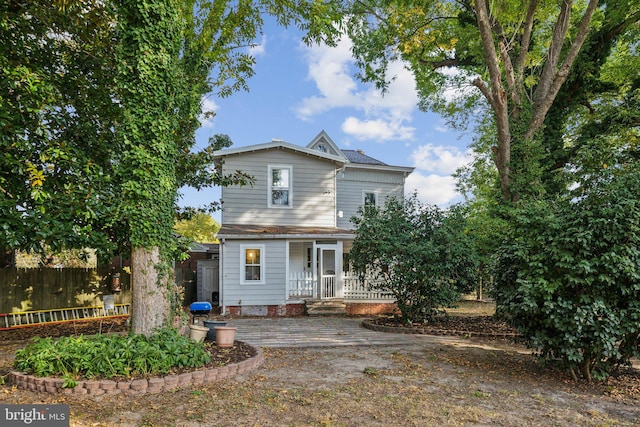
(351, 184)
(272, 291)
(312, 192)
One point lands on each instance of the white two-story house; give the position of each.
(285, 239)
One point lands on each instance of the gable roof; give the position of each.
(323, 139)
(279, 144)
(348, 158)
(355, 158)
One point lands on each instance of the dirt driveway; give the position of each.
(391, 380)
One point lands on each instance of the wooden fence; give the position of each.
(24, 289)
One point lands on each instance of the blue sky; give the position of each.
(298, 91)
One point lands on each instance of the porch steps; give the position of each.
(327, 307)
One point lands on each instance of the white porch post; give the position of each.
(314, 268)
(338, 272)
(286, 271)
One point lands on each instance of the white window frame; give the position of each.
(364, 197)
(270, 186)
(243, 265)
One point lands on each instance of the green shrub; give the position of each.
(109, 356)
(419, 253)
(569, 280)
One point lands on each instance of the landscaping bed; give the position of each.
(465, 326)
(18, 337)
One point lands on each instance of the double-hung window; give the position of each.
(252, 268)
(280, 193)
(370, 198)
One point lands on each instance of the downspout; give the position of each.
(223, 309)
(337, 213)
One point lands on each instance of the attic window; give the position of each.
(322, 147)
(280, 186)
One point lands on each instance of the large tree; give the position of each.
(98, 117)
(98, 123)
(517, 55)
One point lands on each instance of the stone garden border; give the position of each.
(153, 385)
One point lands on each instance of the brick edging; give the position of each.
(434, 331)
(153, 385)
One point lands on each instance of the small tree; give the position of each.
(421, 254)
(569, 280)
(200, 227)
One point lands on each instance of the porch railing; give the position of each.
(356, 289)
(301, 285)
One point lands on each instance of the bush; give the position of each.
(569, 280)
(109, 356)
(419, 253)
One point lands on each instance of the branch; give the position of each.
(489, 49)
(510, 76)
(448, 62)
(497, 99)
(542, 104)
(480, 84)
(553, 55)
(526, 41)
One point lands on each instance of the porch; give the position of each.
(328, 285)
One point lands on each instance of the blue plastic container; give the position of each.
(200, 308)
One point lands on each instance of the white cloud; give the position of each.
(383, 118)
(207, 106)
(443, 160)
(432, 179)
(259, 49)
(378, 129)
(432, 189)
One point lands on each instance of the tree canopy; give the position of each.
(98, 118)
(511, 58)
(201, 228)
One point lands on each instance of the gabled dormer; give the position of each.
(324, 144)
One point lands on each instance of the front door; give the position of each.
(328, 271)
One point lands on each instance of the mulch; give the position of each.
(465, 326)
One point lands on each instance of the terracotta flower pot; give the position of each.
(211, 324)
(225, 336)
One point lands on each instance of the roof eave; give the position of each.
(278, 145)
(278, 236)
(405, 169)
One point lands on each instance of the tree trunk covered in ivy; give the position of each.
(150, 295)
(148, 76)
